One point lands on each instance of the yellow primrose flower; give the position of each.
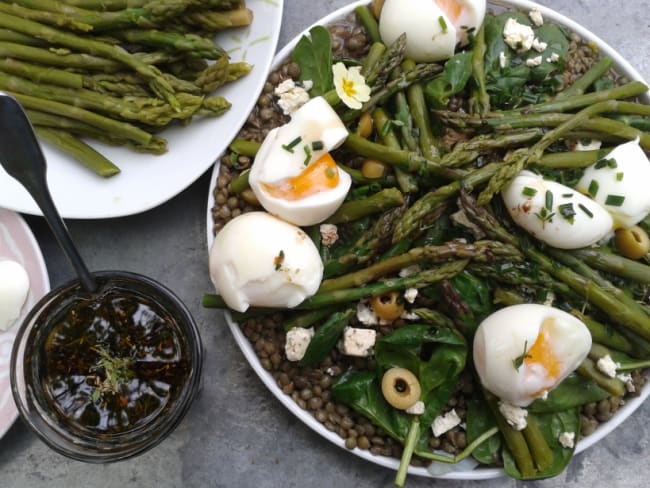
(350, 85)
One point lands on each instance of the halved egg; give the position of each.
(260, 260)
(293, 175)
(523, 351)
(432, 27)
(618, 183)
(14, 287)
(555, 213)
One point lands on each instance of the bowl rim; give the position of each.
(94, 452)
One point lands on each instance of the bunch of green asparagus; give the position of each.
(118, 71)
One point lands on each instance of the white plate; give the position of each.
(479, 473)
(148, 180)
(18, 244)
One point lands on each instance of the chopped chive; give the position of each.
(307, 155)
(549, 200)
(601, 163)
(614, 200)
(586, 210)
(289, 147)
(619, 176)
(443, 24)
(317, 145)
(567, 211)
(278, 260)
(611, 163)
(330, 173)
(528, 191)
(567, 195)
(593, 188)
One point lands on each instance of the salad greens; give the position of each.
(432, 211)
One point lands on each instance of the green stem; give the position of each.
(369, 23)
(581, 85)
(407, 453)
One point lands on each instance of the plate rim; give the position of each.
(43, 274)
(480, 473)
(27, 206)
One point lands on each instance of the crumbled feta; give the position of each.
(366, 315)
(627, 379)
(539, 46)
(444, 423)
(549, 299)
(607, 366)
(296, 342)
(553, 58)
(290, 96)
(416, 409)
(532, 62)
(567, 439)
(515, 416)
(406, 315)
(357, 342)
(518, 36)
(410, 294)
(328, 234)
(409, 271)
(503, 62)
(593, 144)
(536, 16)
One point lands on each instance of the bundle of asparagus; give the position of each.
(118, 71)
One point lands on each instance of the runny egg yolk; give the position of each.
(541, 352)
(322, 175)
(450, 7)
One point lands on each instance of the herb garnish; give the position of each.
(317, 145)
(567, 195)
(609, 162)
(548, 200)
(443, 24)
(528, 191)
(519, 360)
(593, 188)
(116, 371)
(278, 260)
(307, 155)
(289, 147)
(314, 56)
(614, 200)
(586, 210)
(567, 211)
(545, 216)
(619, 176)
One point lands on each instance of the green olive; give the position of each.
(388, 306)
(371, 168)
(632, 243)
(364, 129)
(400, 388)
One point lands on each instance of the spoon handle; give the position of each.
(44, 201)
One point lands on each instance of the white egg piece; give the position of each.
(14, 287)
(523, 351)
(619, 183)
(259, 260)
(293, 176)
(555, 213)
(433, 27)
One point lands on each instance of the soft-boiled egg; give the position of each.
(259, 260)
(618, 182)
(14, 286)
(293, 176)
(555, 213)
(433, 27)
(523, 351)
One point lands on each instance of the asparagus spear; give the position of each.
(191, 44)
(211, 21)
(480, 102)
(124, 4)
(420, 114)
(615, 264)
(356, 209)
(579, 86)
(79, 150)
(369, 23)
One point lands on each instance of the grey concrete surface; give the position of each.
(237, 434)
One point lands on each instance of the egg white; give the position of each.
(315, 121)
(507, 334)
(431, 35)
(14, 287)
(585, 228)
(628, 178)
(259, 260)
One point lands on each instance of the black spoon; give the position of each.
(22, 158)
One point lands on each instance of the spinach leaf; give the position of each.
(457, 71)
(551, 425)
(475, 293)
(326, 337)
(480, 419)
(572, 392)
(314, 56)
(436, 356)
